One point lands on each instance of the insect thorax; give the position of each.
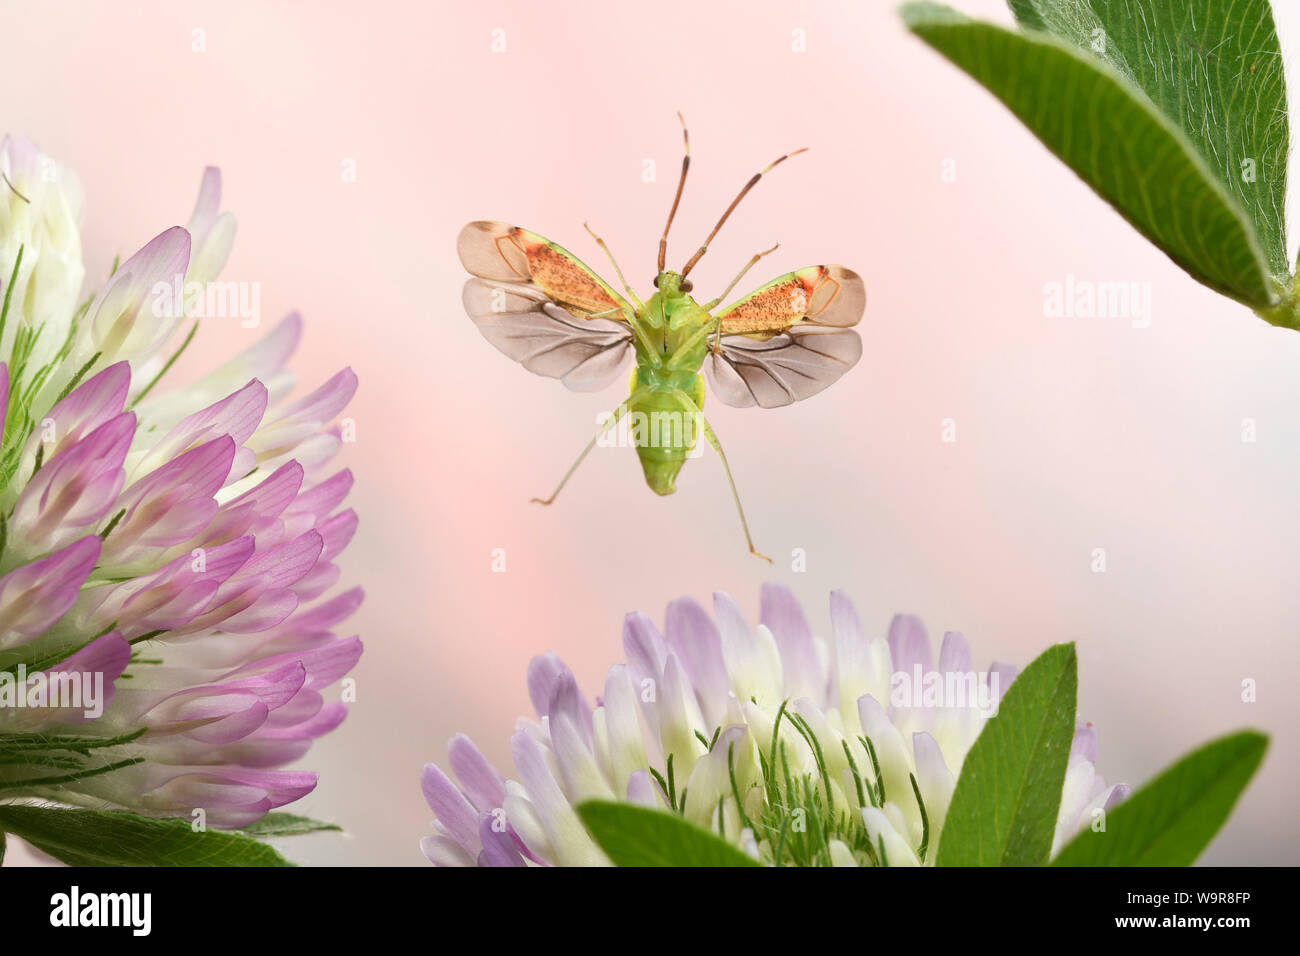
(678, 331)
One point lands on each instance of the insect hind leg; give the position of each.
(613, 420)
(712, 438)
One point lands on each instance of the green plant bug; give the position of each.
(539, 305)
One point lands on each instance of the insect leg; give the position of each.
(639, 333)
(614, 262)
(613, 420)
(682, 357)
(717, 446)
(752, 262)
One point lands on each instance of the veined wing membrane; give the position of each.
(524, 324)
(542, 307)
(789, 339)
(783, 369)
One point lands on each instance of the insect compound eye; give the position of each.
(657, 278)
(687, 285)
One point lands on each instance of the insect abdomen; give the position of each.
(665, 427)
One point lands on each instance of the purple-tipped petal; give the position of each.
(170, 505)
(35, 595)
(451, 808)
(171, 597)
(271, 608)
(1085, 743)
(274, 744)
(498, 844)
(1118, 794)
(784, 617)
(694, 638)
(731, 619)
(285, 564)
(258, 510)
(565, 832)
(909, 645)
(235, 417)
(846, 626)
(644, 647)
(480, 781)
(324, 664)
(95, 401)
(132, 317)
(555, 692)
(954, 655)
(544, 674)
(337, 531)
(230, 796)
(322, 498)
(228, 710)
(641, 790)
(73, 490)
(323, 404)
(89, 673)
(208, 204)
(317, 581)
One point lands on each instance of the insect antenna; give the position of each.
(699, 254)
(681, 184)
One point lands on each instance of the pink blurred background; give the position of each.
(1072, 434)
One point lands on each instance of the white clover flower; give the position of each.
(798, 750)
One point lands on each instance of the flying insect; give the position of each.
(784, 342)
